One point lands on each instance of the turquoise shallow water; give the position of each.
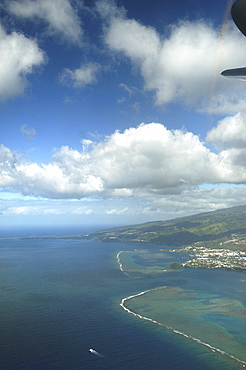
(59, 298)
(235, 326)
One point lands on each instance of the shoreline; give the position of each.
(213, 349)
(204, 344)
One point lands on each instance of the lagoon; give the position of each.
(61, 297)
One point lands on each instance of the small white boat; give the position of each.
(94, 352)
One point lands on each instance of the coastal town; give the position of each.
(212, 240)
(203, 256)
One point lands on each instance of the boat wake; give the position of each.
(94, 352)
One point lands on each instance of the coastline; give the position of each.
(213, 349)
(197, 340)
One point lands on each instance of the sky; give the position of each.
(115, 112)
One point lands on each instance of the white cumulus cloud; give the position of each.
(60, 16)
(18, 58)
(230, 132)
(144, 161)
(185, 65)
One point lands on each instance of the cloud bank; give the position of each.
(144, 161)
(132, 209)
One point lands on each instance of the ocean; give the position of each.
(60, 308)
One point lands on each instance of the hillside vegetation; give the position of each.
(210, 227)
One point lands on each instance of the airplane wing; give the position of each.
(238, 13)
(239, 73)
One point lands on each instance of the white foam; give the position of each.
(120, 264)
(213, 349)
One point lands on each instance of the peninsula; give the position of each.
(214, 239)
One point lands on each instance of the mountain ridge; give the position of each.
(181, 231)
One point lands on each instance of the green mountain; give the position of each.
(209, 226)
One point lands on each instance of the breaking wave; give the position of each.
(214, 349)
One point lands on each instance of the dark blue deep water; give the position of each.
(60, 297)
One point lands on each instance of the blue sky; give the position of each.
(115, 112)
